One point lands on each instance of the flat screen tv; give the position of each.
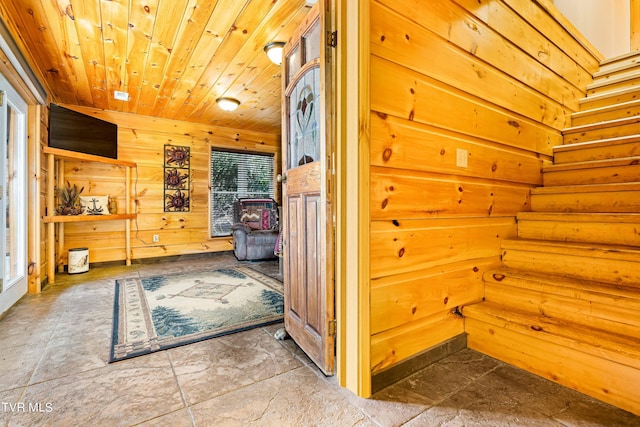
(78, 132)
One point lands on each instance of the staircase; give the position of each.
(565, 304)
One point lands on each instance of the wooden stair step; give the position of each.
(606, 113)
(626, 82)
(566, 303)
(629, 58)
(537, 294)
(611, 229)
(602, 130)
(610, 148)
(607, 171)
(623, 350)
(586, 290)
(602, 366)
(614, 264)
(617, 68)
(607, 198)
(607, 98)
(611, 78)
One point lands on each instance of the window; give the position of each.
(235, 175)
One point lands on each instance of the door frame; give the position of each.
(352, 117)
(11, 98)
(22, 78)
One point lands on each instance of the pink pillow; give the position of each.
(252, 218)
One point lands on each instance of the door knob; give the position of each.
(281, 178)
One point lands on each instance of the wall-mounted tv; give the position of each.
(79, 132)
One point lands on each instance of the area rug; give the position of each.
(160, 312)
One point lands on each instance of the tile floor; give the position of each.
(54, 349)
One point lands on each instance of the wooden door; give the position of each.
(308, 225)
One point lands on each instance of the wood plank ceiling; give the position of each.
(173, 57)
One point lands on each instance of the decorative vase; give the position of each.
(113, 205)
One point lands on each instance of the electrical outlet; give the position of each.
(462, 158)
(156, 238)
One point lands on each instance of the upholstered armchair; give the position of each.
(255, 230)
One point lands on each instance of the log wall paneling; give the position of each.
(467, 100)
(141, 140)
(394, 345)
(400, 40)
(553, 47)
(457, 23)
(420, 98)
(403, 144)
(407, 297)
(408, 245)
(399, 194)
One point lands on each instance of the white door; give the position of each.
(13, 195)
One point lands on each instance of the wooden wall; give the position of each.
(141, 139)
(486, 82)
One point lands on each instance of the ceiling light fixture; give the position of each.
(274, 52)
(228, 104)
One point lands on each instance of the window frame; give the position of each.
(273, 155)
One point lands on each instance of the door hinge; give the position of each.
(1, 98)
(332, 38)
(332, 328)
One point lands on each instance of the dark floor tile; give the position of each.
(180, 418)
(217, 366)
(288, 343)
(296, 398)
(9, 400)
(477, 406)
(435, 382)
(471, 364)
(71, 354)
(17, 364)
(587, 412)
(54, 347)
(122, 394)
(392, 406)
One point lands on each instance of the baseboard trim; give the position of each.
(413, 364)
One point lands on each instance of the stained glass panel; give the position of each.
(304, 118)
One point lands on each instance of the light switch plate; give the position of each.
(462, 158)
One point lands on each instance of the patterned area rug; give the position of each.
(160, 312)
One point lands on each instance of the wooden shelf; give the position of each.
(57, 156)
(82, 157)
(84, 218)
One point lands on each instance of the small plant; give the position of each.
(69, 200)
